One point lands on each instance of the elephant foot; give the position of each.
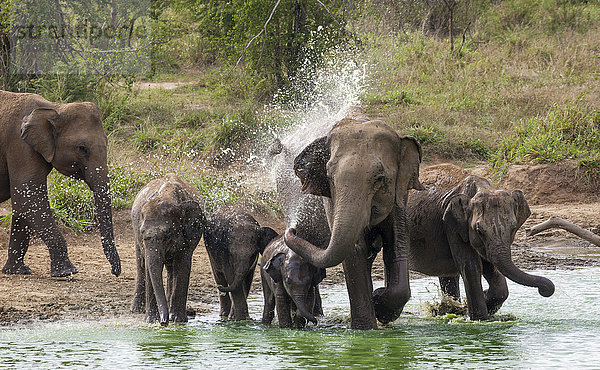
(178, 318)
(493, 303)
(384, 312)
(16, 268)
(62, 268)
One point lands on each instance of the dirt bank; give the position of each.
(95, 293)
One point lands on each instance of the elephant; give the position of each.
(363, 171)
(233, 241)
(290, 284)
(467, 230)
(304, 212)
(35, 136)
(168, 221)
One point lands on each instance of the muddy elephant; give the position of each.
(363, 171)
(233, 241)
(467, 230)
(168, 221)
(35, 136)
(290, 285)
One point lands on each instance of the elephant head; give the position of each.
(244, 258)
(488, 221)
(71, 138)
(365, 169)
(299, 278)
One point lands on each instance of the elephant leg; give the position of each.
(42, 223)
(269, 297)
(358, 282)
(450, 286)
(283, 305)
(240, 305)
(181, 268)
(497, 292)
(318, 307)
(139, 296)
(468, 263)
(20, 234)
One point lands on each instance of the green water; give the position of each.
(557, 332)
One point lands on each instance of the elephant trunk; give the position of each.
(303, 310)
(347, 227)
(100, 187)
(238, 281)
(506, 266)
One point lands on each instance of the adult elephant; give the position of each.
(467, 230)
(364, 171)
(35, 136)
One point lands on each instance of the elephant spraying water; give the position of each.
(363, 171)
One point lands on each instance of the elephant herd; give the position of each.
(351, 194)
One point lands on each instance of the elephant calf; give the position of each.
(168, 222)
(467, 230)
(289, 283)
(233, 240)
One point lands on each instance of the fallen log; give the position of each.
(557, 222)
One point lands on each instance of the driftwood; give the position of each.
(556, 222)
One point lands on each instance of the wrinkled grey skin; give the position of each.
(363, 171)
(35, 136)
(233, 240)
(290, 285)
(304, 212)
(467, 230)
(168, 222)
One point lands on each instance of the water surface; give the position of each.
(560, 331)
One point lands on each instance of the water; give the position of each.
(557, 332)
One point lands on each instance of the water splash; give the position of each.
(318, 97)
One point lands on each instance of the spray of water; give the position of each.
(317, 98)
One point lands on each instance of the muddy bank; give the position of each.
(95, 293)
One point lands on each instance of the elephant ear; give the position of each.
(265, 235)
(408, 168)
(522, 210)
(318, 276)
(273, 267)
(37, 130)
(310, 167)
(194, 222)
(456, 216)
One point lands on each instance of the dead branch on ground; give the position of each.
(557, 222)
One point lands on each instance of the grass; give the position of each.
(566, 132)
(521, 88)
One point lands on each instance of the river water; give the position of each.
(562, 331)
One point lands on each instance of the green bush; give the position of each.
(567, 132)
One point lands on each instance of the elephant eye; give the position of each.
(83, 150)
(379, 179)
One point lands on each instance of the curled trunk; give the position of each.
(345, 231)
(238, 281)
(506, 266)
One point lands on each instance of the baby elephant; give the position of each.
(468, 230)
(168, 222)
(291, 284)
(233, 240)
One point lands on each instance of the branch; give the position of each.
(556, 222)
(264, 29)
